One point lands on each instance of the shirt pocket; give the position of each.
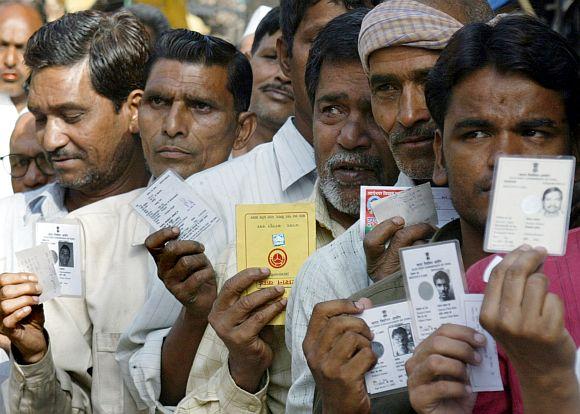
(107, 380)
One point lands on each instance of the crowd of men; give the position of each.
(333, 95)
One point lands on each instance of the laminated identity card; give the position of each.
(170, 202)
(63, 239)
(371, 194)
(435, 284)
(39, 261)
(393, 344)
(277, 236)
(530, 203)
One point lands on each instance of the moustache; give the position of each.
(283, 87)
(422, 130)
(64, 154)
(367, 161)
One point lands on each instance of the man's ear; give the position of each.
(283, 58)
(132, 104)
(247, 123)
(439, 169)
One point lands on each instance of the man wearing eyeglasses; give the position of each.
(27, 163)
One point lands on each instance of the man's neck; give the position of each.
(133, 177)
(472, 246)
(345, 220)
(304, 126)
(19, 102)
(262, 134)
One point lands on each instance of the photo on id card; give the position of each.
(530, 203)
(434, 280)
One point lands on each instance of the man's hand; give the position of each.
(22, 317)
(437, 372)
(184, 269)
(381, 261)
(240, 321)
(528, 322)
(338, 350)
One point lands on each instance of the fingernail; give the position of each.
(477, 357)
(468, 389)
(25, 309)
(541, 249)
(280, 289)
(32, 278)
(36, 299)
(175, 230)
(264, 270)
(479, 338)
(525, 247)
(283, 301)
(399, 221)
(359, 305)
(38, 288)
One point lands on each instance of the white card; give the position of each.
(64, 242)
(169, 202)
(435, 284)
(415, 205)
(530, 203)
(486, 376)
(393, 344)
(38, 260)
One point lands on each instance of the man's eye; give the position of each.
(386, 87)
(331, 110)
(201, 107)
(475, 135)
(533, 133)
(73, 118)
(157, 101)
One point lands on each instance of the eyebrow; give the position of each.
(378, 79)
(67, 106)
(536, 123)
(332, 97)
(472, 123)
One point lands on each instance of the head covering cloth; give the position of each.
(404, 23)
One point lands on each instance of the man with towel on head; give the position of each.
(399, 43)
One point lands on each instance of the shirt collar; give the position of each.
(322, 216)
(295, 156)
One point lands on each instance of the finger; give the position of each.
(347, 344)
(187, 266)
(553, 314)
(175, 249)
(255, 323)
(338, 326)
(453, 341)
(156, 241)
(535, 292)
(13, 291)
(362, 362)
(252, 304)
(234, 287)
(9, 306)
(374, 242)
(324, 311)
(366, 303)
(17, 278)
(12, 320)
(515, 279)
(437, 366)
(187, 290)
(409, 235)
(434, 392)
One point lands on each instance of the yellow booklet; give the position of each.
(277, 236)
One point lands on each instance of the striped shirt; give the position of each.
(281, 171)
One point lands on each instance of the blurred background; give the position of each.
(229, 18)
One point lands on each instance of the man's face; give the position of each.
(552, 202)
(315, 18)
(23, 142)
(17, 24)
(400, 342)
(186, 117)
(89, 143)
(442, 287)
(64, 255)
(397, 77)
(272, 94)
(491, 114)
(350, 148)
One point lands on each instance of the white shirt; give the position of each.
(18, 216)
(8, 117)
(281, 171)
(336, 271)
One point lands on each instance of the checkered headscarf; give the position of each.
(404, 23)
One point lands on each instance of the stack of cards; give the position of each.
(169, 202)
(415, 206)
(530, 203)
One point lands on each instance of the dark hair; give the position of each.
(191, 47)
(441, 275)
(400, 331)
(551, 190)
(116, 45)
(151, 17)
(516, 44)
(337, 42)
(292, 12)
(269, 25)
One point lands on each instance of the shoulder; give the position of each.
(109, 206)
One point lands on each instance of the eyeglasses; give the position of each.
(17, 164)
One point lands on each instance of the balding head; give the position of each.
(18, 21)
(464, 11)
